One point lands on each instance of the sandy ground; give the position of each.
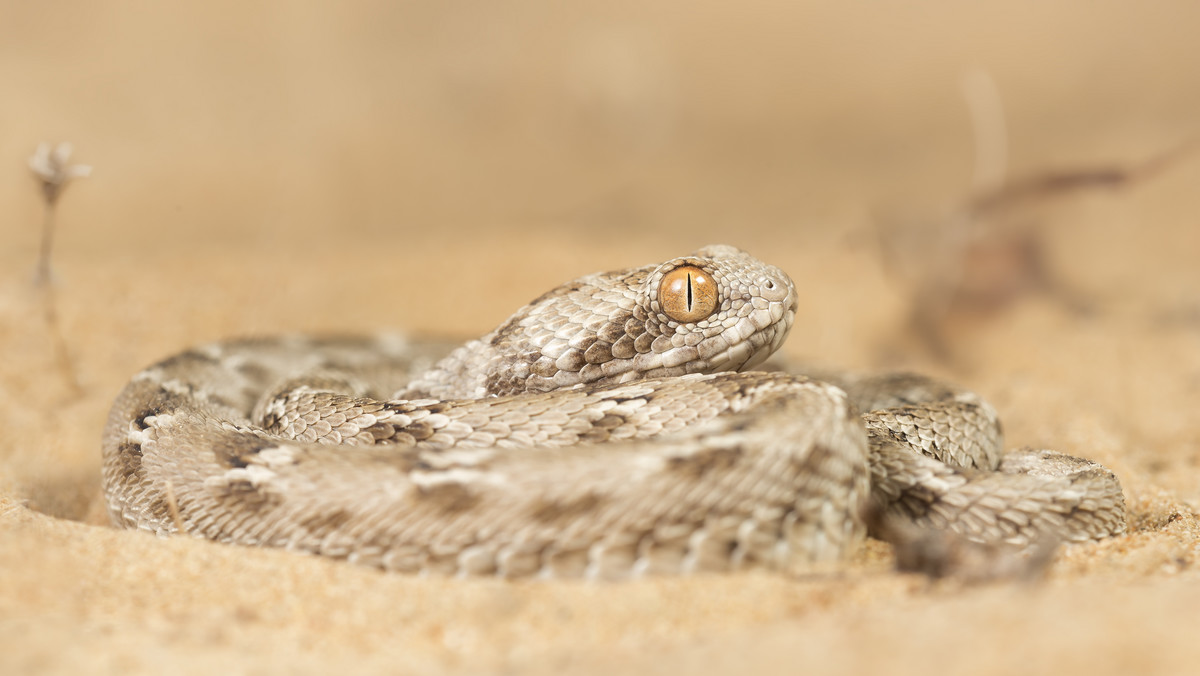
(430, 167)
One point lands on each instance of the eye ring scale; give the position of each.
(687, 294)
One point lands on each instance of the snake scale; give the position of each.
(612, 428)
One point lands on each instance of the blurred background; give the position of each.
(653, 129)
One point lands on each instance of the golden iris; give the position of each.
(687, 294)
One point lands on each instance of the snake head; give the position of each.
(718, 309)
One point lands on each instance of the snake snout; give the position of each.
(776, 286)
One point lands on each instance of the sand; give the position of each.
(438, 166)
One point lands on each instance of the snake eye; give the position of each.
(687, 294)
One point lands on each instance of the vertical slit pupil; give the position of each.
(689, 292)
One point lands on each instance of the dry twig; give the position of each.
(51, 166)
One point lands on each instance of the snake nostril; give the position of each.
(773, 288)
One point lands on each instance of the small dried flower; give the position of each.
(51, 167)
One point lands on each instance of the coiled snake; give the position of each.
(613, 427)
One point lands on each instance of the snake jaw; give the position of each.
(777, 337)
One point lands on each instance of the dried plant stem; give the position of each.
(42, 278)
(53, 170)
(62, 355)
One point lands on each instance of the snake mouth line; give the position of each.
(779, 334)
(754, 350)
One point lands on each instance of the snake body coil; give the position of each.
(611, 428)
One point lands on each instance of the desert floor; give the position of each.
(431, 167)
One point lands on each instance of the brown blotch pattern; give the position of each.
(160, 402)
(237, 451)
(818, 456)
(448, 497)
(183, 360)
(699, 464)
(129, 455)
(558, 512)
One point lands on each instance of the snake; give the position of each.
(623, 424)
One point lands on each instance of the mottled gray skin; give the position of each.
(589, 435)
